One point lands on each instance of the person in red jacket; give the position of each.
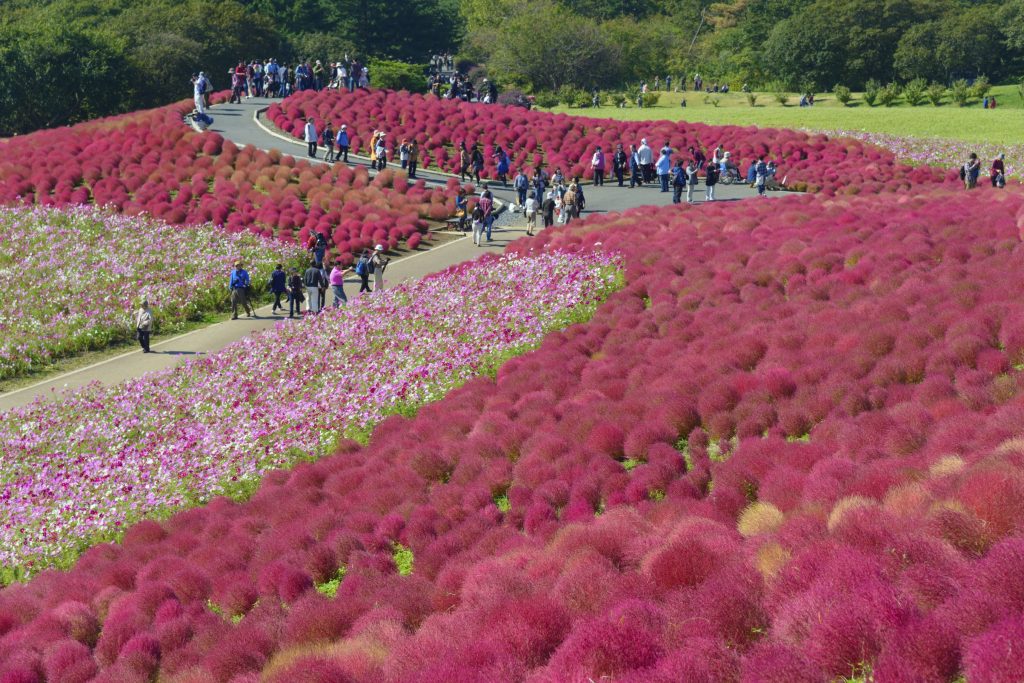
(998, 171)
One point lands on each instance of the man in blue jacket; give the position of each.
(239, 284)
(343, 144)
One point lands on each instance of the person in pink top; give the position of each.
(337, 281)
(597, 163)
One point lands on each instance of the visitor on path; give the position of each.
(414, 158)
(645, 157)
(403, 153)
(328, 140)
(664, 167)
(312, 279)
(569, 203)
(620, 162)
(761, 176)
(477, 159)
(691, 180)
(377, 265)
(462, 208)
(699, 159)
(240, 284)
(531, 207)
(503, 165)
(324, 281)
(521, 184)
(143, 325)
(464, 162)
(199, 87)
(540, 181)
(278, 287)
(343, 143)
(295, 295)
(381, 152)
(547, 207)
(486, 204)
(363, 271)
(718, 156)
(597, 164)
(998, 171)
(317, 246)
(679, 180)
(970, 171)
(581, 200)
(373, 148)
(710, 180)
(311, 137)
(635, 170)
(478, 224)
(337, 278)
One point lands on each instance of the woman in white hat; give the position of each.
(379, 264)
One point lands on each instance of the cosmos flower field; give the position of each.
(789, 447)
(73, 277)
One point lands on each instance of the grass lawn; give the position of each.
(1002, 125)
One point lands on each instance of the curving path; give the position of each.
(243, 125)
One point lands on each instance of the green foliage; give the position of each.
(330, 588)
(872, 89)
(935, 92)
(630, 464)
(779, 92)
(651, 99)
(914, 91)
(843, 94)
(572, 96)
(889, 94)
(403, 559)
(398, 75)
(980, 87)
(960, 92)
(502, 503)
(546, 99)
(752, 99)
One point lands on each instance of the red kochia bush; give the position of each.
(866, 514)
(134, 162)
(808, 162)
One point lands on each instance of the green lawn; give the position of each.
(1004, 124)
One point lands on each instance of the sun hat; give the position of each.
(343, 126)
(238, 264)
(379, 247)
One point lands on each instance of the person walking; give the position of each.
(477, 159)
(547, 208)
(645, 158)
(486, 204)
(761, 176)
(530, 208)
(363, 271)
(678, 182)
(343, 143)
(619, 164)
(414, 158)
(324, 282)
(143, 325)
(328, 140)
(503, 165)
(635, 170)
(311, 137)
(521, 184)
(312, 280)
(381, 152)
(710, 180)
(278, 287)
(317, 246)
(295, 295)
(569, 204)
(337, 279)
(691, 180)
(664, 167)
(403, 153)
(597, 164)
(240, 284)
(377, 265)
(464, 162)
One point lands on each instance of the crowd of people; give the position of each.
(267, 78)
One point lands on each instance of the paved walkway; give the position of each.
(241, 124)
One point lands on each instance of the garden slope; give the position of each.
(809, 162)
(785, 451)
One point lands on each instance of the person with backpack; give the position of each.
(620, 162)
(317, 246)
(295, 295)
(328, 140)
(363, 271)
(313, 279)
(477, 224)
(240, 286)
(761, 176)
(521, 184)
(278, 287)
(377, 265)
(343, 143)
(311, 137)
(710, 180)
(678, 182)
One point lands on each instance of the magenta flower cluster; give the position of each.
(83, 467)
(73, 277)
(807, 162)
(150, 162)
(788, 450)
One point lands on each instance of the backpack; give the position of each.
(321, 241)
(361, 267)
